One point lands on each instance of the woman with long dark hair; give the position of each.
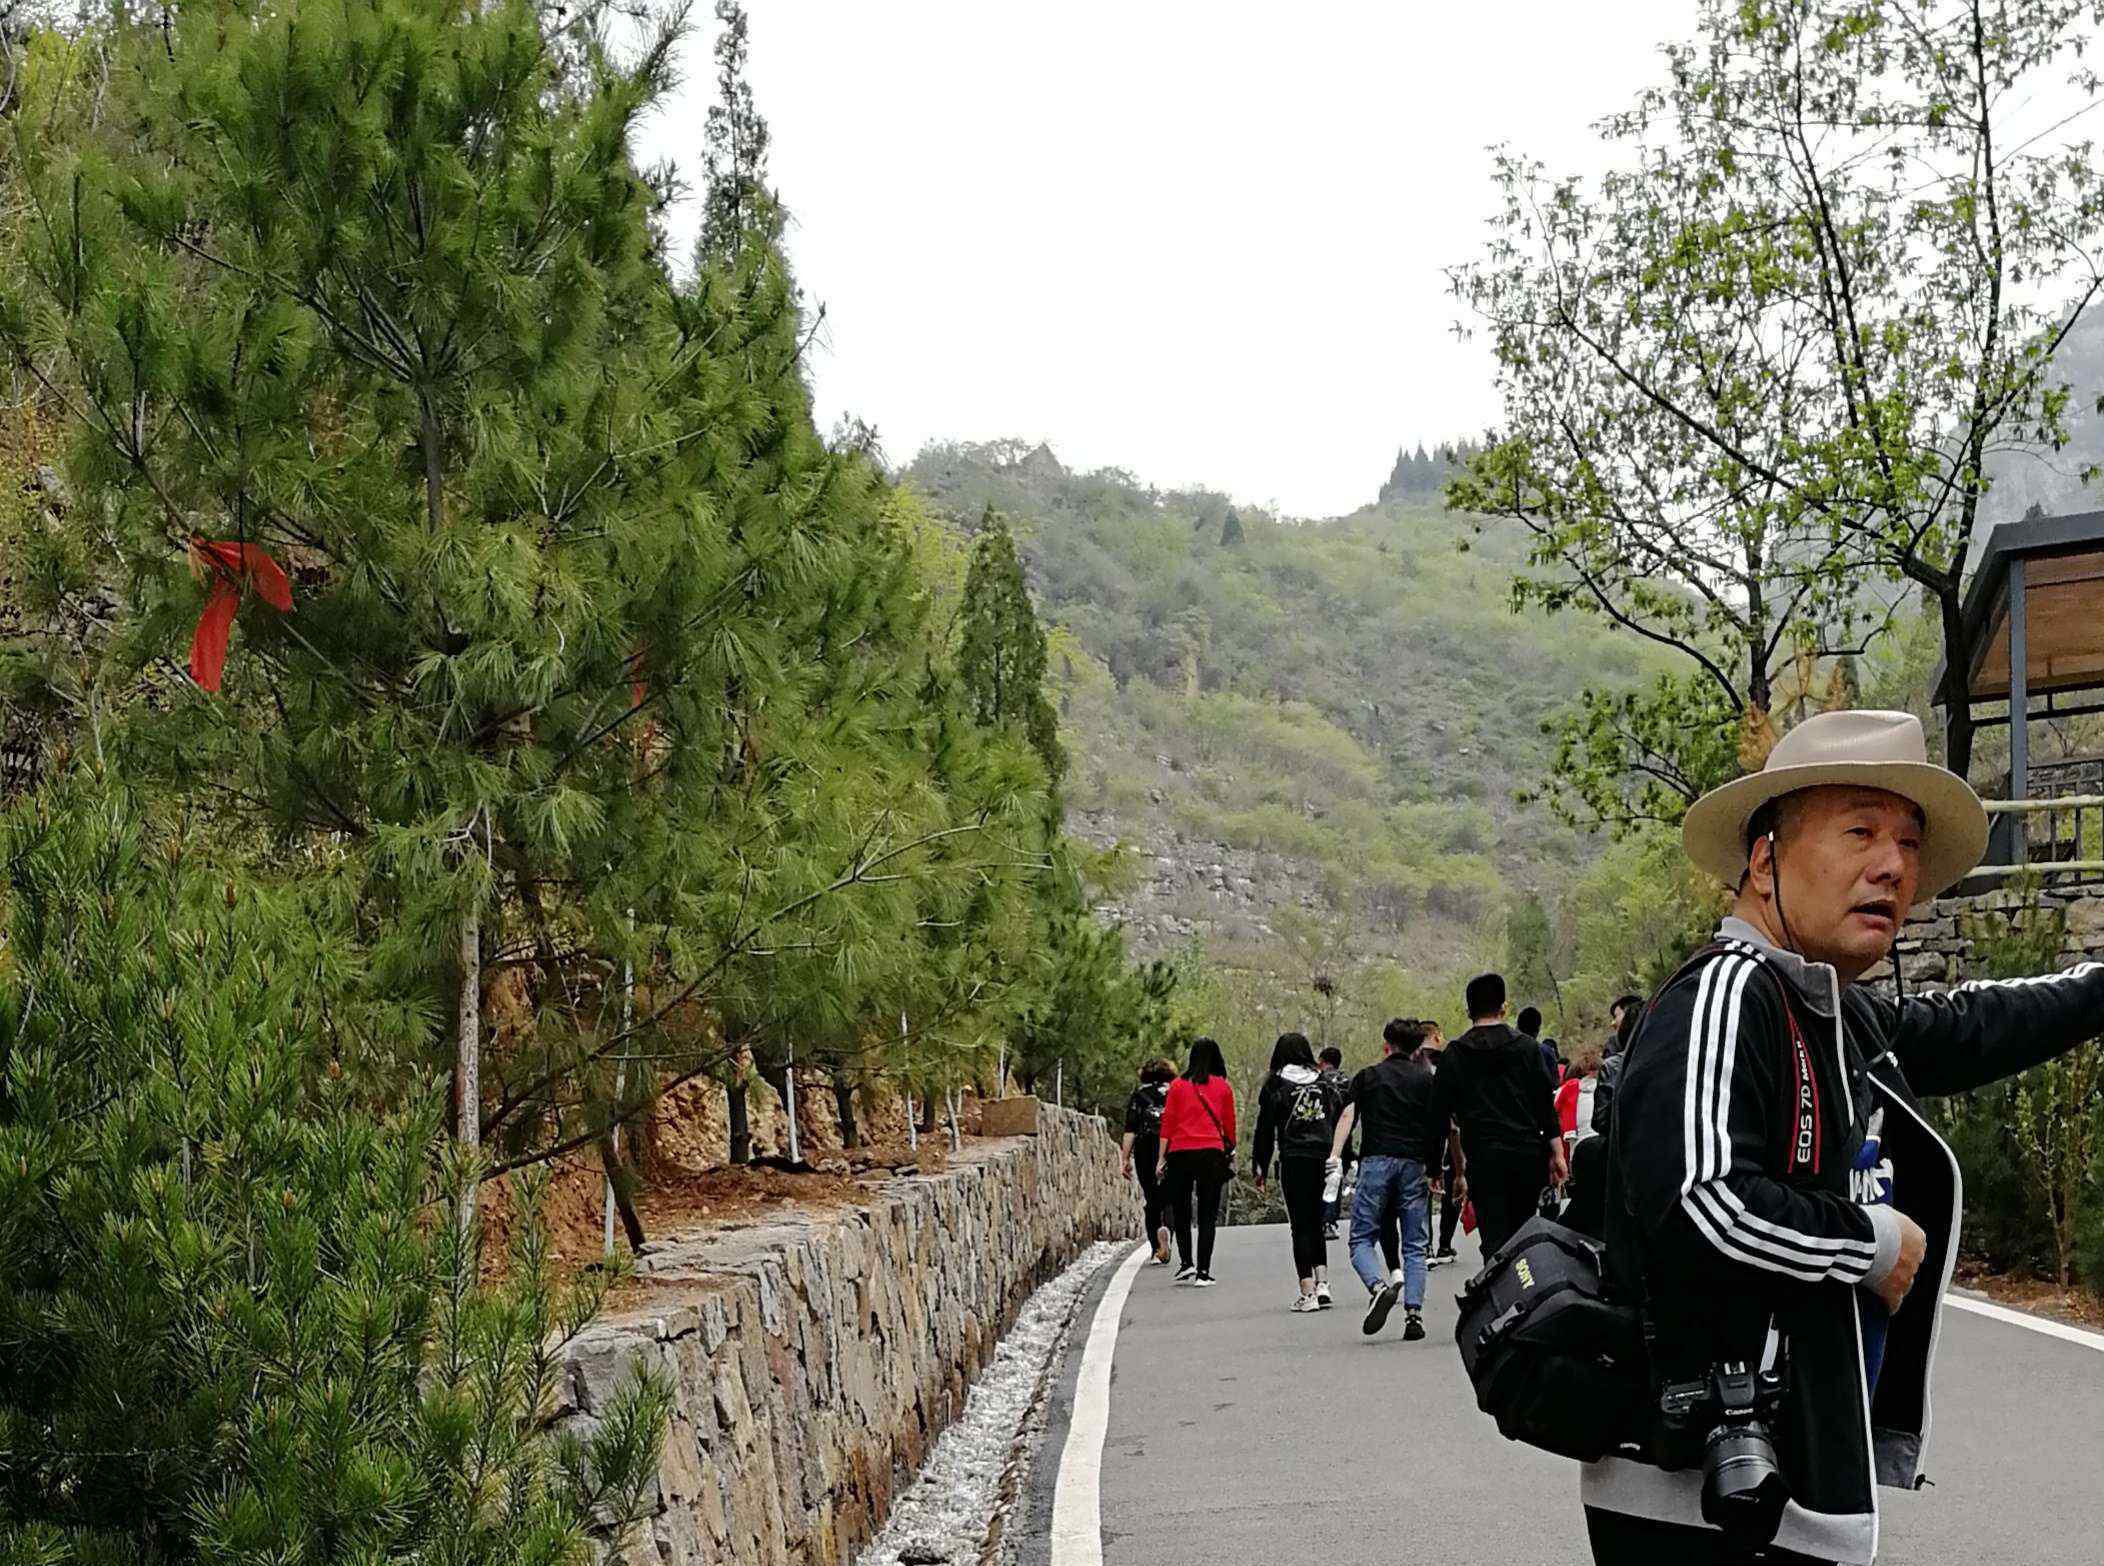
(1198, 1155)
(1143, 1146)
(1297, 1111)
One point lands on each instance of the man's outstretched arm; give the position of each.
(1981, 1032)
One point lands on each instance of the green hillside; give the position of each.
(1352, 699)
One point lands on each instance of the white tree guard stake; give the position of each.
(468, 1020)
(1001, 1071)
(789, 1100)
(1059, 1083)
(950, 1097)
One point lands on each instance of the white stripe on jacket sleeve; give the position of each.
(1717, 1211)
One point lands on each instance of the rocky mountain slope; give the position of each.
(1307, 731)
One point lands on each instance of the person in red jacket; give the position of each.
(1197, 1156)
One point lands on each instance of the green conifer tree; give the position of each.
(1231, 529)
(1001, 647)
(228, 1328)
(384, 302)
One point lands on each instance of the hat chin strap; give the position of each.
(1775, 878)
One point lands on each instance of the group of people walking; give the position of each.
(1773, 1201)
(1475, 1122)
(1180, 1142)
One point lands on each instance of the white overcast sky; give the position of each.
(1203, 241)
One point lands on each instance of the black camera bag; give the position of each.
(1553, 1360)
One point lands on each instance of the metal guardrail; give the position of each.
(2073, 822)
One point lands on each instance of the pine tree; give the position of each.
(1001, 650)
(737, 207)
(385, 305)
(227, 1328)
(381, 318)
(1231, 529)
(599, 662)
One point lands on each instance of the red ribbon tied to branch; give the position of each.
(231, 568)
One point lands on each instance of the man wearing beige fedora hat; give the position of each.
(1776, 1196)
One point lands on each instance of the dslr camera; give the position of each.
(1722, 1421)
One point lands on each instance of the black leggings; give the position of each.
(1153, 1188)
(1620, 1540)
(1449, 1213)
(1300, 1182)
(1197, 1176)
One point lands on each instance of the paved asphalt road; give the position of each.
(1240, 1433)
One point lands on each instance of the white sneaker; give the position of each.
(1305, 1305)
(1322, 1297)
(1186, 1274)
(1204, 1280)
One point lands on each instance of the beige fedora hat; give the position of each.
(1882, 750)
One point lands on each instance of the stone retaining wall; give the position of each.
(1935, 947)
(814, 1359)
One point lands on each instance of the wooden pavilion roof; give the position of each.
(2063, 575)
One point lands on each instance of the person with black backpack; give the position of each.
(1296, 1111)
(1197, 1158)
(1142, 1150)
(1780, 1207)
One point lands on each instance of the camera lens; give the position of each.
(1743, 1489)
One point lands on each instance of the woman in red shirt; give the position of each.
(1197, 1156)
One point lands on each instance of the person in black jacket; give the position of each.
(1392, 1103)
(1142, 1150)
(1296, 1109)
(1737, 1213)
(1493, 1085)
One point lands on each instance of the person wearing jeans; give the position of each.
(1392, 1102)
(1392, 1190)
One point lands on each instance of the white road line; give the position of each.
(1077, 1495)
(2020, 1318)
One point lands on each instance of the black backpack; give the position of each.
(1554, 1360)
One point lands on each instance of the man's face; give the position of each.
(1850, 860)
